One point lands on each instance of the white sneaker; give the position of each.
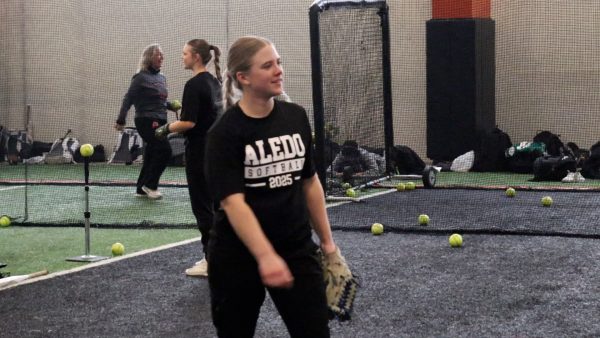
(578, 177)
(570, 178)
(152, 194)
(200, 269)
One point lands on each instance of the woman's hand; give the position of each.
(328, 248)
(274, 272)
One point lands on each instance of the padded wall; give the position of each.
(460, 85)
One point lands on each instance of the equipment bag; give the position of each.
(521, 156)
(489, 156)
(406, 161)
(39, 148)
(62, 151)
(591, 166)
(3, 140)
(553, 168)
(129, 147)
(554, 146)
(15, 145)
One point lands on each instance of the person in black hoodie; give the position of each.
(202, 104)
(259, 166)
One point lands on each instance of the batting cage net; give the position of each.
(72, 63)
(475, 100)
(351, 92)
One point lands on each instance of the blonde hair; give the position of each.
(203, 48)
(147, 54)
(239, 60)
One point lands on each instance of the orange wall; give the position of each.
(460, 9)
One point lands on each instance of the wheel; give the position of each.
(429, 177)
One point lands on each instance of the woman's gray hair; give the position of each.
(146, 58)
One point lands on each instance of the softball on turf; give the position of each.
(4, 221)
(86, 150)
(410, 186)
(455, 240)
(423, 219)
(511, 192)
(401, 187)
(377, 228)
(117, 249)
(546, 201)
(350, 192)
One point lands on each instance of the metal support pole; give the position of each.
(87, 257)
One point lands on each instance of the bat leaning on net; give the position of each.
(12, 280)
(340, 285)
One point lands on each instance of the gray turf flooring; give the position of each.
(413, 285)
(572, 213)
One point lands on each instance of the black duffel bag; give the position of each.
(553, 168)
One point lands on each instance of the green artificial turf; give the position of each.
(47, 200)
(29, 249)
(99, 173)
(504, 179)
(109, 205)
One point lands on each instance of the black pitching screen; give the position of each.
(351, 91)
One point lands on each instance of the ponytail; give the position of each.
(217, 53)
(239, 60)
(229, 97)
(203, 48)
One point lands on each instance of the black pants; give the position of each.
(237, 294)
(157, 153)
(202, 205)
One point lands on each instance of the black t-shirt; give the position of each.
(201, 103)
(267, 160)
